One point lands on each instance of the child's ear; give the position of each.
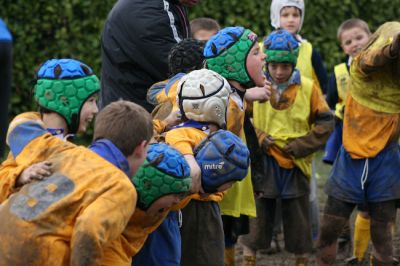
(141, 149)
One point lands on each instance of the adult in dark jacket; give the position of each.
(135, 43)
(5, 81)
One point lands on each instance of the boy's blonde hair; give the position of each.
(208, 24)
(125, 124)
(350, 24)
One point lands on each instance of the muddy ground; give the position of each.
(284, 258)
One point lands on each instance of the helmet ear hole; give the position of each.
(234, 36)
(86, 69)
(57, 71)
(202, 90)
(156, 161)
(229, 150)
(214, 48)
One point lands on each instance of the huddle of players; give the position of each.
(64, 204)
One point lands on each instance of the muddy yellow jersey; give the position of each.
(71, 216)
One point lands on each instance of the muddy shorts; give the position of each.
(366, 180)
(202, 234)
(296, 225)
(281, 182)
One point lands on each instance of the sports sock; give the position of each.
(362, 235)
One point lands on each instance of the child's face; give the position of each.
(204, 35)
(290, 19)
(280, 72)
(255, 62)
(164, 202)
(353, 40)
(88, 112)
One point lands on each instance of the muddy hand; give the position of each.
(267, 142)
(261, 94)
(173, 119)
(35, 172)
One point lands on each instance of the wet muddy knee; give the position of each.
(381, 236)
(331, 228)
(382, 220)
(334, 219)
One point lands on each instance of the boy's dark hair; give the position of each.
(352, 23)
(204, 24)
(186, 56)
(125, 124)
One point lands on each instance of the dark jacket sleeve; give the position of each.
(136, 40)
(143, 32)
(5, 81)
(319, 70)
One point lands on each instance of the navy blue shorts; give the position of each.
(163, 246)
(366, 180)
(282, 183)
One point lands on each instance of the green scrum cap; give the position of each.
(227, 51)
(165, 171)
(63, 86)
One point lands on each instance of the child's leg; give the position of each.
(344, 238)
(229, 255)
(382, 217)
(275, 247)
(230, 240)
(202, 234)
(261, 228)
(296, 227)
(233, 228)
(336, 215)
(314, 205)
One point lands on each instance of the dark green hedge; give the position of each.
(45, 29)
(49, 29)
(322, 18)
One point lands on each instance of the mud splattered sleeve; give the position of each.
(100, 223)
